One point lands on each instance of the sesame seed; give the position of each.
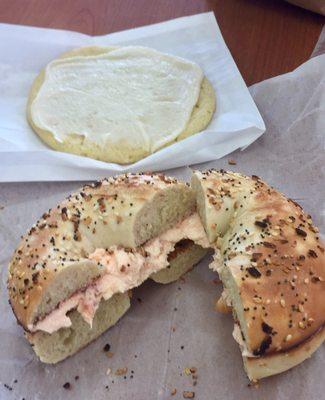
(257, 300)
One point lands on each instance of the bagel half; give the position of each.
(271, 263)
(55, 347)
(53, 265)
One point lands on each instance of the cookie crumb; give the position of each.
(173, 392)
(108, 371)
(231, 161)
(67, 386)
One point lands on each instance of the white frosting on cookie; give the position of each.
(128, 95)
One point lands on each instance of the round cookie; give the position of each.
(121, 152)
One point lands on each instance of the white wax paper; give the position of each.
(290, 156)
(26, 50)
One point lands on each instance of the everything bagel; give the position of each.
(70, 276)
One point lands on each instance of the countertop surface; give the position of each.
(265, 37)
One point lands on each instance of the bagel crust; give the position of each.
(116, 211)
(261, 367)
(270, 260)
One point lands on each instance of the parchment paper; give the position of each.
(290, 156)
(26, 50)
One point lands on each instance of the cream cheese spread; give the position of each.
(237, 335)
(125, 269)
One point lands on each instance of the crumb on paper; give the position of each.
(173, 392)
(121, 371)
(107, 347)
(67, 386)
(108, 371)
(231, 161)
(188, 395)
(254, 384)
(187, 371)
